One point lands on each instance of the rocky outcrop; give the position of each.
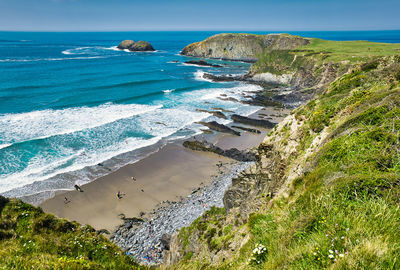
(219, 127)
(244, 156)
(252, 130)
(140, 46)
(215, 113)
(242, 47)
(252, 122)
(202, 63)
(125, 44)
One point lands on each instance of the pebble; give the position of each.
(144, 242)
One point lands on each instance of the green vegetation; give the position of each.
(318, 52)
(31, 239)
(343, 212)
(352, 51)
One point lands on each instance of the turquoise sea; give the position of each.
(69, 101)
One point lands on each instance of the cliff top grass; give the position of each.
(348, 50)
(318, 52)
(32, 239)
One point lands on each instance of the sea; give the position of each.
(73, 107)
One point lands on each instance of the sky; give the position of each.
(133, 15)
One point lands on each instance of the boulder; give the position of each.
(125, 44)
(141, 46)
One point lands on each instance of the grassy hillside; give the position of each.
(325, 193)
(31, 239)
(319, 56)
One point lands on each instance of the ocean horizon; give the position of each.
(73, 107)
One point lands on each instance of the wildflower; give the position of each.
(347, 229)
(330, 251)
(336, 252)
(330, 256)
(342, 237)
(315, 253)
(341, 255)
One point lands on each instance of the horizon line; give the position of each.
(198, 30)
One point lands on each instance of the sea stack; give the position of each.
(140, 46)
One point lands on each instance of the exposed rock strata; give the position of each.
(241, 47)
(219, 127)
(233, 153)
(202, 63)
(215, 113)
(252, 122)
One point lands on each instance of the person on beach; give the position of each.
(66, 200)
(78, 188)
(133, 178)
(120, 195)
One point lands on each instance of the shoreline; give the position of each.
(162, 175)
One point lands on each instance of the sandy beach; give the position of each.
(167, 175)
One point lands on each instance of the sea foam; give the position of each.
(41, 124)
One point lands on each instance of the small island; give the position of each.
(140, 46)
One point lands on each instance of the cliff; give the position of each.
(324, 192)
(242, 47)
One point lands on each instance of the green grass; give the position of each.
(31, 239)
(349, 50)
(344, 212)
(318, 52)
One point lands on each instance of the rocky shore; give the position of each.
(147, 241)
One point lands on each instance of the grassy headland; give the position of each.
(325, 191)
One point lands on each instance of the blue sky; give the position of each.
(131, 15)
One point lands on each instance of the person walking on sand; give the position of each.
(120, 195)
(66, 200)
(133, 178)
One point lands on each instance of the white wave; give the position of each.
(79, 50)
(46, 166)
(51, 59)
(113, 48)
(198, 75)
(42, 124)
(168, 90)
(4, 145)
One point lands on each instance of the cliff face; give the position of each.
(242, 47)
(324, 192)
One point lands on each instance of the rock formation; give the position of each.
(140, 46)
(242, 47)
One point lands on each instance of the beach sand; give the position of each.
(168, 174)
